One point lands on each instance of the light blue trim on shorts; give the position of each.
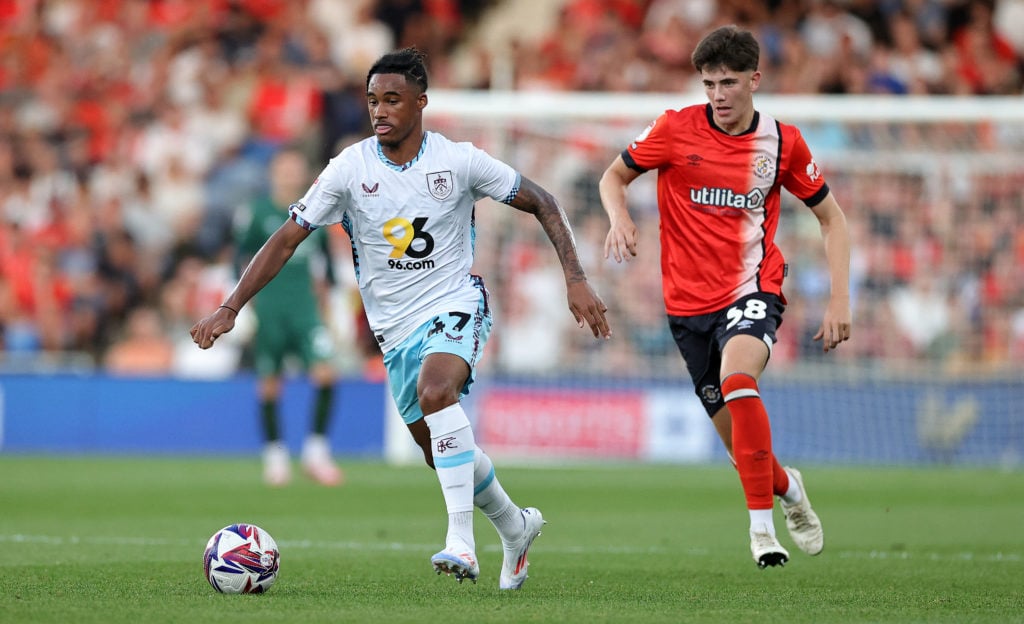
(455, 460)
(438, 335)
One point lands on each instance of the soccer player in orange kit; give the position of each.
(721, 166)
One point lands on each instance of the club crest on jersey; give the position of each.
(764, 167)
(440, 184)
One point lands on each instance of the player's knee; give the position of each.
(434, 398)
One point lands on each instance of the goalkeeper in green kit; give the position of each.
(289, 324)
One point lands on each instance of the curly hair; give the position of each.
(408, 62)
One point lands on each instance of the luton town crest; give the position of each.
(764, 167)
(440, 184)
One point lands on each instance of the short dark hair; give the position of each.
(727, 47)
(408, 62)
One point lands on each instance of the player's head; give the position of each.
(728, 47)
(408, 62)
(396, 93)
(289, 175)
(727, 60)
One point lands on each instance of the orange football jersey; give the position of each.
(719, 202)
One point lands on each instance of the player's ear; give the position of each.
(421, 100)
(755, 80)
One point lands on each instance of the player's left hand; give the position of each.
(622, 240)
(588, 308)
(207, 330)
(836, 326)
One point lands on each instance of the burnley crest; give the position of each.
(440, 184)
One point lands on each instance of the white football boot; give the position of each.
(514, 564)
(457, 560)
(317, 462)
(803, 524)
(277, 465)
(767, 550)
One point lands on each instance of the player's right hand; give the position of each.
(588, 309)
(622, 240)
(207, 330)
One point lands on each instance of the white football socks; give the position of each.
(454, 450)
(793, 494)
(492, 499)
(761, 521)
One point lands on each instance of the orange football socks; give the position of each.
(752, 441)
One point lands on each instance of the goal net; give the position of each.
(933, 189)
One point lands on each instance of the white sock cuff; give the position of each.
(447, 420)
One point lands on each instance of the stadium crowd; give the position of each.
(133, 130)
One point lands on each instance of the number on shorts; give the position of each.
(756, 310)
(463, 319)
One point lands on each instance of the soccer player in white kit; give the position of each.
(406, 198)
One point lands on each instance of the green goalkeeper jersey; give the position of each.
(292, 291)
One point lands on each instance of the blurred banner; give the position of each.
(866, 420)
(102, 414)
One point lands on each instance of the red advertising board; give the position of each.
(561, 422)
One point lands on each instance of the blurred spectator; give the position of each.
(357, 37)
(917, 69)
(144, 349)
(195, 286)
(134, 129)
(828, 29)
(922, 312)
(285, 102)
(1008, 20)
(534, 322)
(986, 62)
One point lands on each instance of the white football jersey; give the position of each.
(411, 226)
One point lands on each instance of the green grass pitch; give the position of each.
(111, 540)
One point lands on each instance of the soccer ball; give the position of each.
(241, 559)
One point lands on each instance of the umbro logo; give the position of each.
(695, 159)
(370, 191)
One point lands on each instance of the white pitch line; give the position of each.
(150, 542)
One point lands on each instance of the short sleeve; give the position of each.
(802, 177)
(652, 147)
(490, 177)
(324, 202)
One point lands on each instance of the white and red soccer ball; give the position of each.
(241, 559)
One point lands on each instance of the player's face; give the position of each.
(731, 94)
(396, 108)
(289, 174)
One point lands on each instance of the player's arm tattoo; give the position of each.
(541, 204)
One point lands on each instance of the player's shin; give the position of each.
(454, 450)
(752, 446)
(492, 499)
